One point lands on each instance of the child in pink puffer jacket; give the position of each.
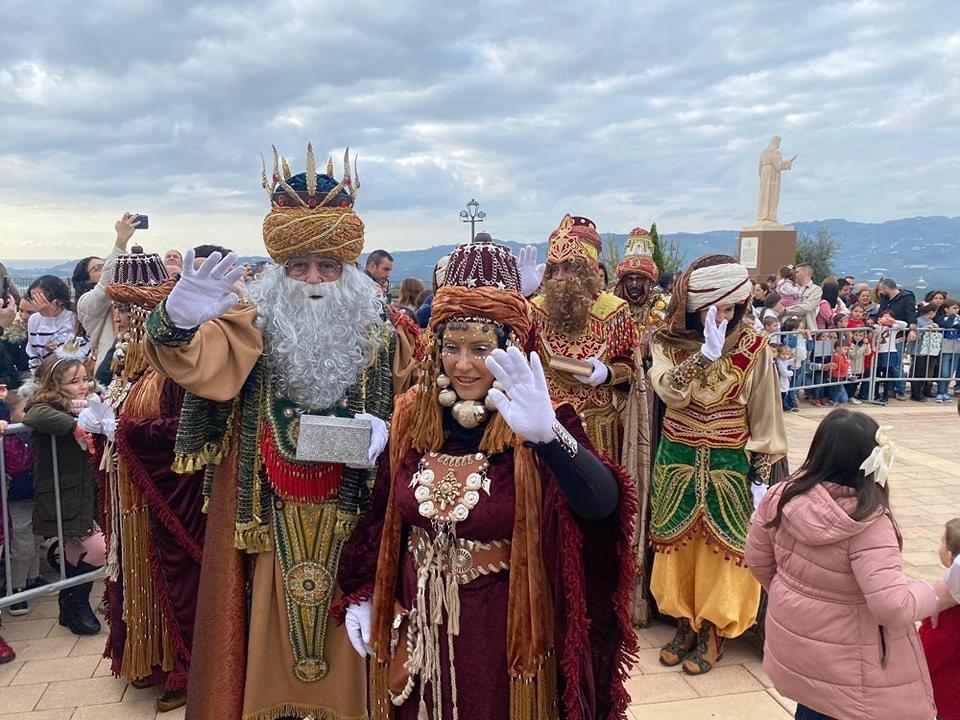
(840, 627)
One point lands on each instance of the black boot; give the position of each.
(75, 610)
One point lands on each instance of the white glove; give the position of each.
(599, 375)
(713, 335)
(109, 425)
(531, 274)
(357, 625)
(97, 416)
(205, 293)
(89, 421)
(758, 490)
(526, 406)
(379, 433)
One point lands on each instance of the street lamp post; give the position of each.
(472, 215)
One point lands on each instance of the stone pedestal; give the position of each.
(764, 249)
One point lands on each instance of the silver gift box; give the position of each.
(329, 439)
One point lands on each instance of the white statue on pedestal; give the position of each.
(771, 165)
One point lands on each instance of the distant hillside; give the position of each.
(913, 251)
(907, 250)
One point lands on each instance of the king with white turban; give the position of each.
(722, 432)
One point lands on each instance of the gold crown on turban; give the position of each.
(311, 214)
(575, 238)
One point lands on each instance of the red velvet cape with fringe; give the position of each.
(590, 570)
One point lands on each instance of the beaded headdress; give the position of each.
(638, 256)
(311, 214)
(575, 238)
(140, 283)
(482, 264)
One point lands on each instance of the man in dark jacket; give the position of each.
(903, 305)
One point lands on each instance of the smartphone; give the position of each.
(5, 292)
(141, 222)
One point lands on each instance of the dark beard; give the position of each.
(568, 302)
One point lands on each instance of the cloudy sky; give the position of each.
(628, 112)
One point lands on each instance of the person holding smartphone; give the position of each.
(94, 308)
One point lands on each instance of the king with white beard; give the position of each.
(311, 338)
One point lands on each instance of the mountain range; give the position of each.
(919, 253)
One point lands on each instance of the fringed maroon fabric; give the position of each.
(592, 569)
(139, 476)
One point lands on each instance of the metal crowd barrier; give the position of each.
(10, 597)
(923, 356)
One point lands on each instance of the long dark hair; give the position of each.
(842, 442)
(831, 291)
(81, 277)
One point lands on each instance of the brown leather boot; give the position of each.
(171, 700)
(707, 653)
(676, 650)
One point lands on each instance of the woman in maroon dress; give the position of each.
(491, 577)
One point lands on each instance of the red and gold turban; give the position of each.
(576, 238)
(638, 256)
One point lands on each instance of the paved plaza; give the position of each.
(58, 676)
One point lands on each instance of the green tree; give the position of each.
(666, 254)
(657, 247)
(818, 252)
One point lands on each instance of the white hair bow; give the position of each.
(879, 462)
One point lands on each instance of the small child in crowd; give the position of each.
(950, 350)
(59, 395)
(771, 326)
(786, 288)
(841, 637)
(23, 544)
(54, 323)
(784, 362)
(839, 373)
(929, 345)
(941, 645)
(858, 316)
(858, 354)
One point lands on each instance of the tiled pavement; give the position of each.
(58, 676)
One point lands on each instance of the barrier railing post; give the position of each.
(4, 514)
(56, 495)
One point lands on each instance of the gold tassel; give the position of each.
(253, 538)
(145, 640)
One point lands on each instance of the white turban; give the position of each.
(726, 284)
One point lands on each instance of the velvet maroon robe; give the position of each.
(590, 569)
(177, 524)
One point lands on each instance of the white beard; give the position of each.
(317, 348)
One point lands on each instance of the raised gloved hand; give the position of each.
(89, 421)
(531, 273)
(357, 625)
(379, 433)
(599, 375)
(526, 406)
(205, 293)
(713, 336)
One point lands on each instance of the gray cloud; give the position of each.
(628, 114)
